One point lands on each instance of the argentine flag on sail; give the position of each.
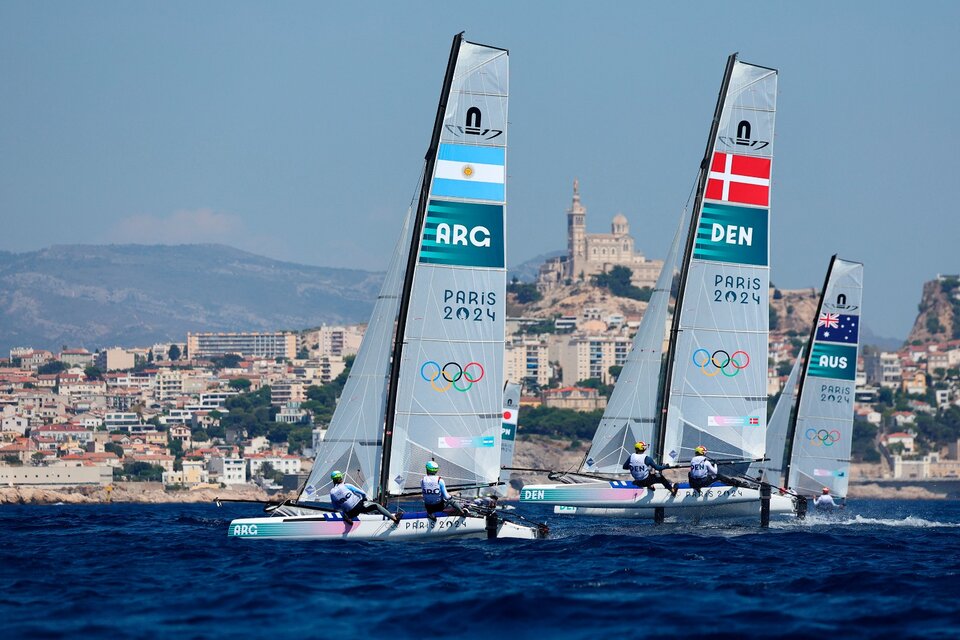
(469, 171)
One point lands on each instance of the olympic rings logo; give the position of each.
(451, 375)
(720, 362)
(822, 437)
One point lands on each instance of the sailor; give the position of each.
(645, 471)
(703, 472)
(824, 500)
(484, 505)
(435, 496)
(352, 501)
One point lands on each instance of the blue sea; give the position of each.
(878, 569)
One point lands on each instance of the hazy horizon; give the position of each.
(298, 132)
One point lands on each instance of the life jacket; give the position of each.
(698, 467)
(638, 466)
(343, 498)
(430, 486)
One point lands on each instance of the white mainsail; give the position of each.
(823, 434)
(449, 389)
(779, 426)
(354, 439)
(717, 384)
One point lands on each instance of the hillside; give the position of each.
(794, 309)
(939, 312)
(95, 296)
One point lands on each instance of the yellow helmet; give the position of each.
(700, 450)
(641, 446)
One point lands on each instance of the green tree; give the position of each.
(595, 383)
(143, 472)
(12, 460)
(174, 352)
(774, 319)
(175, 447)
(559, 423)
(614, 371)
(239, 384)
(113, 447)
(37, 457)
(227, 361)
(52, 367)
(93, 373)
(525, 292)
(619, 282)
(864, 447)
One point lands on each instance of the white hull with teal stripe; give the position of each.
(622, 498)
(331, 526)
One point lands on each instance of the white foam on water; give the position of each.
(815, 520)
(909, 521)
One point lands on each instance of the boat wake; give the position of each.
(858, 520)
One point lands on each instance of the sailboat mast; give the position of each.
(688, 252)
(430, 161)
(792, 428)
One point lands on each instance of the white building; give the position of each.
(527, 360)
(584, 357)
(229, 471)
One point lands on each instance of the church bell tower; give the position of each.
(576, 234)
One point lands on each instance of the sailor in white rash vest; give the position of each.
(352, 501)
(824, 500)
(645, 471)
(435, 496)
(703, 472)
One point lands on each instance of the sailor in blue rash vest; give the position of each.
(435, 496)
(703, 472)
(352, 501)
(645, 471)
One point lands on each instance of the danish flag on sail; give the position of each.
(743, 179)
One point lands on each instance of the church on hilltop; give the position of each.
(591, 253)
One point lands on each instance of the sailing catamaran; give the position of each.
(709, 387)
(427, 383)
(811, 430)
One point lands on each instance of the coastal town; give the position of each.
(247, 410)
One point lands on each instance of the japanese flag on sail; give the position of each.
(743, 179)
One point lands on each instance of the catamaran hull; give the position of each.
(331, 526)
(618, 498)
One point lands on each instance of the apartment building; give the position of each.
(256, 344)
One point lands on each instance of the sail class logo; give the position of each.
(840, 303)
(742, 139)
(469, 172)
(837, 327)
(743, 179)
(728, 233)
(473, 126)
(833, 361)
(463, 234)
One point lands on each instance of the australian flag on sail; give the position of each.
(470, 172)
(836, 327)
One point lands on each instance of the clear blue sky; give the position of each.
(296, 130)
